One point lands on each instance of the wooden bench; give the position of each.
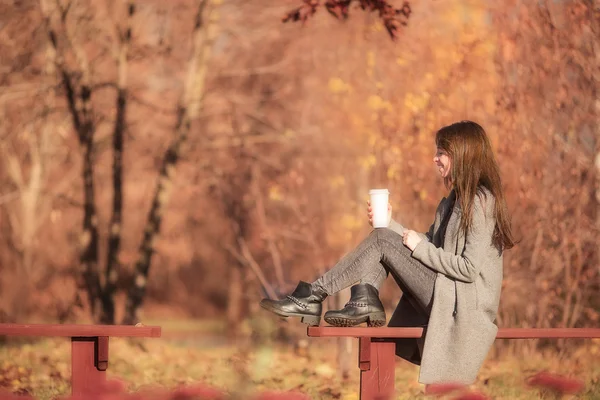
(376, 355)
(89, 347)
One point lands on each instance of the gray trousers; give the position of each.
(380, 254)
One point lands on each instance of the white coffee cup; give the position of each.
(379, 206)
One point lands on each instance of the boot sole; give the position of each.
(311, 320)
(374, 320)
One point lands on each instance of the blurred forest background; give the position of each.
(186, 158)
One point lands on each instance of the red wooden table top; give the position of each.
(503, 333)
(79, 330)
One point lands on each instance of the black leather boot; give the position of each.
(304, 302)
(364, 306)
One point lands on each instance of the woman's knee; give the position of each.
(387, 233)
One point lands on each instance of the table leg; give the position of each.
(89, 359)
(377, 369)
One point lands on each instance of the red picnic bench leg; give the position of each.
(376, 361)
(89, 360)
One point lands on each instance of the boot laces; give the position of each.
(355, 304)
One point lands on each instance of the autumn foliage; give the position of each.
(116, 390)
(555, 383)
(392, 18)
(246, 151)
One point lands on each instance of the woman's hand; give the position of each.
(411, 239)
(370, 212)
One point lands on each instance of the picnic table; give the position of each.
(377, 357)
(89, 347)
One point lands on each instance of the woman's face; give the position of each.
(443, 162)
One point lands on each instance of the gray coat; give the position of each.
(461, 327)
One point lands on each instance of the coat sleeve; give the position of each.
(465, 266)
(429, 234)
(396, 227)
(399, 229)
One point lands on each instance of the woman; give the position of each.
(450, 277)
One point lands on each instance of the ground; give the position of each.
(193, 352)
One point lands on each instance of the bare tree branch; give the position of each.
(268, 234)
(246, 258)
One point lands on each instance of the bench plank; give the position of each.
(503, 333)
(76, 330)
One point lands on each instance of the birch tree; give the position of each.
(188, 109)
(62, 23)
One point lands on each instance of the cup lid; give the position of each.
(379, 191)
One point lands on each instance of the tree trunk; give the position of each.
(234, 300)
(137, 290)
(344, 345)
(80, 108)
(115, 227)
(189, 108)
(114, 235)
(89, 236)
(263, 222)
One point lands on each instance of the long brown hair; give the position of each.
(474, 167)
